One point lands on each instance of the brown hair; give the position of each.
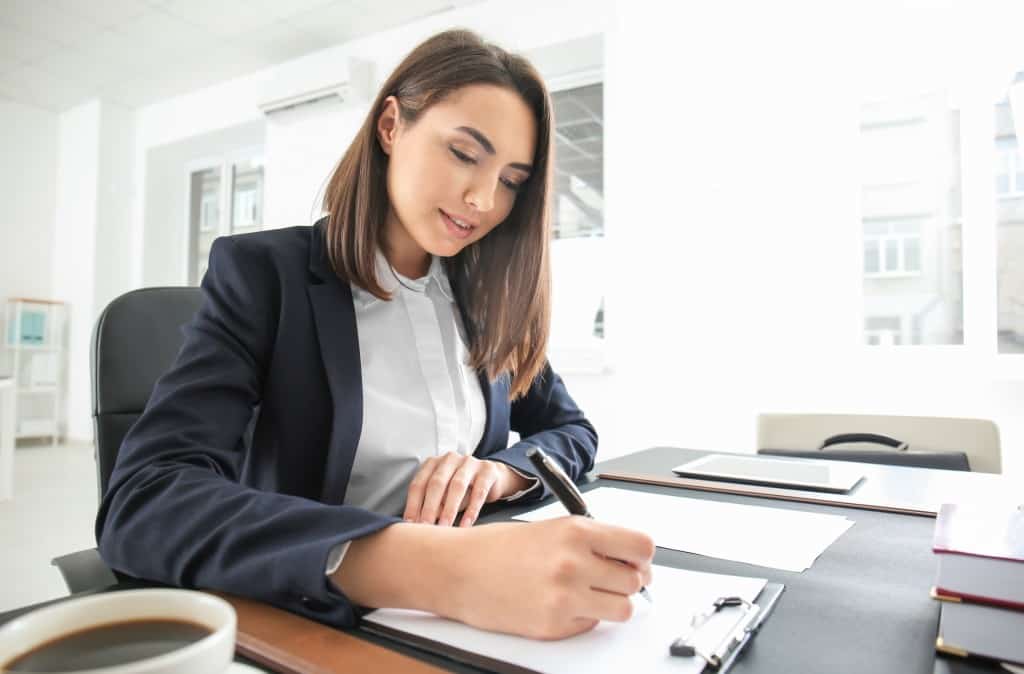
(501, 282)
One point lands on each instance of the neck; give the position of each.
(402, 251)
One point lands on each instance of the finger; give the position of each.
(482, 487)
(462, 479)
(627, 545)
(437, 485)
(617, 578)
(610, 606)
(417, 488)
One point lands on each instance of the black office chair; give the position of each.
(135, 340)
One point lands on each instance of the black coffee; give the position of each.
(107, 645)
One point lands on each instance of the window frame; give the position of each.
(224, 165)
(901, 271)
(580, 358)
(1016, 168)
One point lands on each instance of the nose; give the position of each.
(480, 194)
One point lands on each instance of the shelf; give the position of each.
(31, 347)
(33, 428)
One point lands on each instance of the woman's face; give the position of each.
(453, 174)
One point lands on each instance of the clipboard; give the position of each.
(717, 660)
(751, 616)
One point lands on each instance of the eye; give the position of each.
(462, 156)
(511, 184)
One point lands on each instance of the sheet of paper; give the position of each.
(765, 536)
(639, 645)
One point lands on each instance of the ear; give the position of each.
(387, 124)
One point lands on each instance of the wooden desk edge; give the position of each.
(290, 644)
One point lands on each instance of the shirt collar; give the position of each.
(392, 281)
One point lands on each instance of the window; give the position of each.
(577, 248)
(247, 196)
(1009, 169)
(911, 221)
(892, 248)
(883, 330)
(579, 162)
(1009, 175)
(215, 188)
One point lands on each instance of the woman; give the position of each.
(347, 389)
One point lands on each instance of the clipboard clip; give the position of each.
(739, 632)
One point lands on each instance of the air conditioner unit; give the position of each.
(298, 87)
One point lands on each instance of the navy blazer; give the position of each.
(234, 476)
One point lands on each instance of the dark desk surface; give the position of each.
(862, 607)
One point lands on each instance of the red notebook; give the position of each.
(981, 554)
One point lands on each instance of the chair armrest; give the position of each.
(84, 570)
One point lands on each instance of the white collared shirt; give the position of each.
(420, 397)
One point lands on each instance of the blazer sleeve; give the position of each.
(175, 511)
(547, 417)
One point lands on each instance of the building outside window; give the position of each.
(1009, 189)
(892, 247)
(911, 220)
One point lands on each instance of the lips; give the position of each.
(456, 225)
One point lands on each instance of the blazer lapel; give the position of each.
(334, 315)
(495, 435)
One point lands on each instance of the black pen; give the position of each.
(564, 489)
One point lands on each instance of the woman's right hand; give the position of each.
(544, 580)
(549, 579)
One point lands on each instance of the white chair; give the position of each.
(977, 438)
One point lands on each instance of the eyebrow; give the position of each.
(489, 147)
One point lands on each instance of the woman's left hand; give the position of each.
(448, 484)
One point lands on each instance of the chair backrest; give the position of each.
(135, 341)
(977, 438)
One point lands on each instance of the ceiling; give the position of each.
(55, 54)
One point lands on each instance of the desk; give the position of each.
(862, 607)
(7, 424)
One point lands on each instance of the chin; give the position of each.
(452, 249)
(444, 247)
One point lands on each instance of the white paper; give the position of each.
(782, 539)
(639, 645)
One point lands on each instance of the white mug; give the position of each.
(211, 654)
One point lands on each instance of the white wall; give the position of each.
(28, 171)
(303, 146)
(91, 251)
(116, 189)
(75, 246)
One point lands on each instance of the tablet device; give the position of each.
(812, 475)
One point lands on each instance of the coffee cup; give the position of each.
(150, 631)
